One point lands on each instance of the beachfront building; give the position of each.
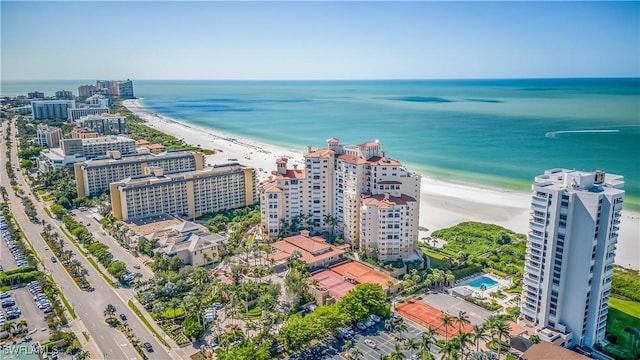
(51, 109)
(94, 147)
(76, 113)
(571, 245)
(35, 95)
(189, 194)
(48, 136)
(388, 225)
(87, 90)
(94, 176)
(327, 195)
(64, 94)
(97, 101)
(104, 124)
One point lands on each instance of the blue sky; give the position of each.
(318, 40)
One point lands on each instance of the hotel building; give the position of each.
(104, 124)
(571, 245)
(51, 109)
(333, 185)
(76, 114)
(49, 136)
(95, 147)
(94, 176)
(185, 194)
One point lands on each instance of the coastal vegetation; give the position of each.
(138, 130)
(623, 323)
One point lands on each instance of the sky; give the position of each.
(318, 40)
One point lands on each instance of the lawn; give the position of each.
(171, 313)
(623, 323)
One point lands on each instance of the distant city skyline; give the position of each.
(318, 40)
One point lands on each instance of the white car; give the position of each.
(370, 343)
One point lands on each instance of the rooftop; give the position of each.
(545, 351)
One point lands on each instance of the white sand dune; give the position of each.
(443, 204)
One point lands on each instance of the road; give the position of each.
(119, 253)
(89, 306)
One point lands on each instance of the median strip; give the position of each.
(144, 320)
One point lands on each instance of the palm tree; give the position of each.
(389, 324)
(499, 328)
(462, 319)
(447, 320)
(426, 341)
(354, 354)
(109, 311)
(9, 326)
(483, 287)
(400, 327)
(464, 340)
(478, 333)
(22, 324)
(397, 353)
(411, 344)
(450, 350)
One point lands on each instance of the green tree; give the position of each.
(192, 327)
(363, 300)
(110, 311)
(411, 344)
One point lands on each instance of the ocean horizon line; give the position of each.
(355, 79)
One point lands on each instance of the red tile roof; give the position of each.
(352, 159)
(312, 249)
(363, 274)
(380, 161)
(379, 201)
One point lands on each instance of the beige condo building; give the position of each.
(94, 176)
(328, 195)
(186, 194)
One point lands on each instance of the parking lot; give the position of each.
(31, 313)
(384, 340)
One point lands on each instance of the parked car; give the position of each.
(370, 343)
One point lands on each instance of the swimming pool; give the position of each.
(483, 280)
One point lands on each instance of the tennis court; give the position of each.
(430, 317)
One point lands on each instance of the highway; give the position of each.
(89, 306)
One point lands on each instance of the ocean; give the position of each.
(499, 133)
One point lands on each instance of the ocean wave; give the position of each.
(552, 134)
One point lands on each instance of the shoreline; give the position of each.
(442, 203)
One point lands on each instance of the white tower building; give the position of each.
(571, 244)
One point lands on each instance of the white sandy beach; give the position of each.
(443, 204)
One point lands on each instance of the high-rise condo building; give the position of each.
(51, 109)
(49, 136)
(188, 194)
(571, 245)
(94, 176)
(372, 200)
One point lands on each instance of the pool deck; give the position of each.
(501, 285)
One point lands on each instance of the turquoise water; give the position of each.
(494, 132)
(483, 280)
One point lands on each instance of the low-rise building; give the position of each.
(311, 250)
(55, 158)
